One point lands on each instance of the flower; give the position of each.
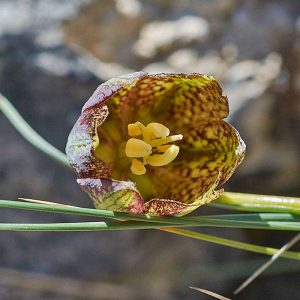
(154, 144)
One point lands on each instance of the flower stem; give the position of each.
(259, 203)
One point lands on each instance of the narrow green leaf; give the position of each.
(102, 226)
(254, 221)
(231, 243)
(29, 134)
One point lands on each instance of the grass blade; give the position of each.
(109, 226)
(29, 134)
(231, 243)
(127, 225)
(266, 265)
(210, 293)
(232, 221)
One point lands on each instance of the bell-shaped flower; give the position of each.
(154, 144)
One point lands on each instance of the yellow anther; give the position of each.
(163, 148)
(157, 130)
(154, 138)
(137, 167)
(137, 148)
(135, 129)
(166, 140)
(158, 160)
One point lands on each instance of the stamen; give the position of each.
(159, 160)
(163, 148)
(135, 129)
(166, 140)
(137, 148)
(137, 167)
(157, 130)
(155, 140)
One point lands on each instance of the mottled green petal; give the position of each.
(93, 173)
(81, 144)
(216, 145)
(210, 151)
(174, 100)
(165, 207)
(108, 88)
(113, 195)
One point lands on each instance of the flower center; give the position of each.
(152, 148)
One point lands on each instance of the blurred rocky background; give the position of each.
(54, 53)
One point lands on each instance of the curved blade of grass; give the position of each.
(29, 134)
(231, 243)
(210, 293)
(237, 269)
(266, 265)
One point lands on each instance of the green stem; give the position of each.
(29, 134)
(79, 226)
(231, 243)
(253, 221)
(259, 203)
(91, 212)
(125, 225)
